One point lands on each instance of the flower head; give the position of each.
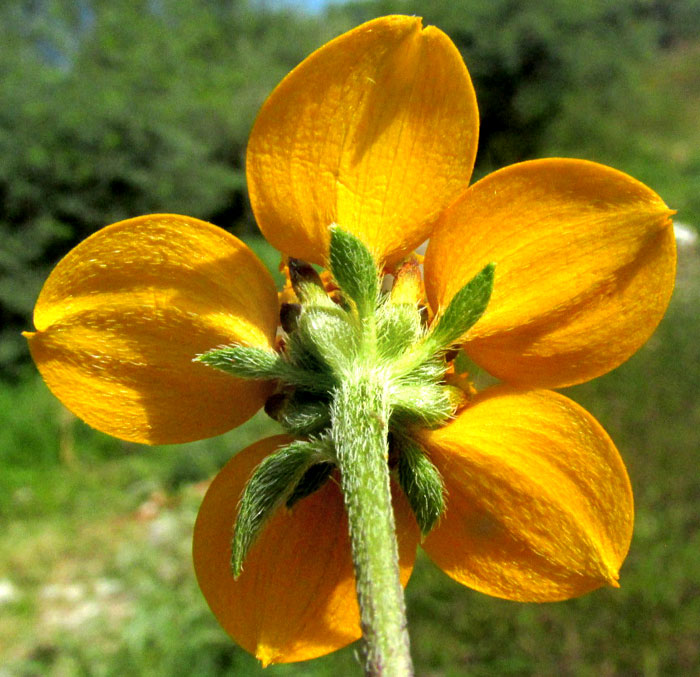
(377, 132)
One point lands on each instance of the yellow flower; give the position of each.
(377, 132)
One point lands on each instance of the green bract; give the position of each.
(363, 337)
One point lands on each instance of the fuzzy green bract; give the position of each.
(362, 335)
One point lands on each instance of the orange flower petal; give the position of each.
(376, 131)
(585, 268)
(121, 317)
(539, 505)
(295, 599)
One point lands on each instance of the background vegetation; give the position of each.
(113, 108)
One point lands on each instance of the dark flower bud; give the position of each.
(302, 273)
(289, 316)
(275, 404)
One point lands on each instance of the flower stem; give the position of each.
(360, 427)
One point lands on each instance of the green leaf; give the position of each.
(271, 484)
(329, 335)
(399, 326)
(246, 362)
(421, 483)
(314, 478)
(464, 310)
(299, 413)
(426, 404)
(250, 362)
(355, 270)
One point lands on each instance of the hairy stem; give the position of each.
(360, 425)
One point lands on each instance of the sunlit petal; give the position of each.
(295, 599)
(539, 505)
(376, 131)
(585, 265)
(121, 317)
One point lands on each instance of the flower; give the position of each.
(377, 132)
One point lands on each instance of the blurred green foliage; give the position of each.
(115, 108)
